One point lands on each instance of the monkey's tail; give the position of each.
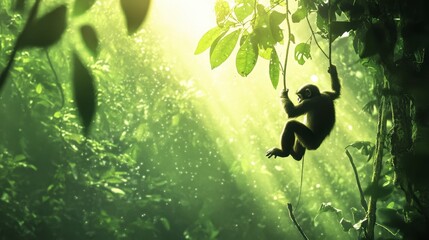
(300, 184)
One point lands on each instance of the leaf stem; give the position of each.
(314, 37)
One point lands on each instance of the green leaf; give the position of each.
(338, 28)
(302, 52)
(262, 28)
(84, 92)
(165, 223)
(117, 191)
(299, 14)
(276, 18)
(58, 114)
(135, 12)
(390, 217)
(223, 49)
(266, 52)
(274, 68)
(19, 158)
(45, 31)
(81, 6)
(208, 38)
(242, 11)
(365, 148)
(222, 11)
(39, 88)
(247, 56)
(327, 207)
(347, 225)
(90, 39)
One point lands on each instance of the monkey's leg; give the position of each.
(298, 151)
(287, 141)
(306, 138)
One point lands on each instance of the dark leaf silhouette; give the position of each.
(81, 6)
(45, 31)
(90, 39)
(84, 92)
(135, 12)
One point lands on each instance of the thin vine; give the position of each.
(288, 44)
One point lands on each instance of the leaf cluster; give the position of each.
(47, 30)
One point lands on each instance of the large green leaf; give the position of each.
(84, 92)
(302, 52)
(276, 18)
(90, 38)
(81, 6)
(299, 14)
(262, 28)
(45, 31)
(274, 68)
(247, 56)
(208, 38)
(223, 49)
(135, 12)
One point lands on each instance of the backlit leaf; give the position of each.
(302, 52)
(45, 31)
(39, 88)
(135, 12)
(117, 191)
(84, 92)
(222, 10)
(242, 11)
(299, 15)
(274, 68)
(208, 38)
(247, 56)
(90, 38)
(223, 49)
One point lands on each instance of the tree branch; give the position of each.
(362, 197)
(289, 207)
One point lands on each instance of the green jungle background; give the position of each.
(112, 128)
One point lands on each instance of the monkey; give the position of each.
(320, 118)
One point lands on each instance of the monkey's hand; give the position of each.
(284, 93)
(332, 70)
(275, 152)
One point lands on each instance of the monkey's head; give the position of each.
(307, 91)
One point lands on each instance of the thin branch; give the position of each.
(57, 81)
(289, 207)
(314, 37)
(362, 197)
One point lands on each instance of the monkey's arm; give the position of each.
(294, 110)
(335, 83)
